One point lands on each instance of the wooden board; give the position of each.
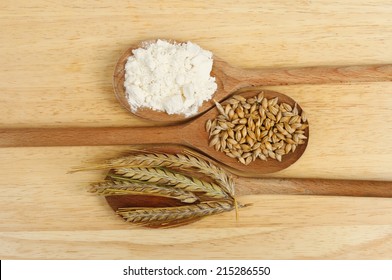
(57, 61)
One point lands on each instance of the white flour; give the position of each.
(174, 78)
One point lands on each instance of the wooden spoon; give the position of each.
(229, 79)
(249, 186)
(190, 134)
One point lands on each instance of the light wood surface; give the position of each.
(57, 61)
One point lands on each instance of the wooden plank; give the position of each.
(276, 226)
(57, 60)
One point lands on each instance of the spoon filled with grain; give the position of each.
(251, 133)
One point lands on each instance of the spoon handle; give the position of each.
(307, 75)
(302, 186)
(91, 136)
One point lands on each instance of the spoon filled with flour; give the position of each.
(168, 82)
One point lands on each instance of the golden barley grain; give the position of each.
(214, 140)
(248, 160)
(260, 97)
(295, 109)
(208, 125)
(240, 98)
(238, 135)
(303, 116)
(262, 157)
(287, 148)
(287, 107)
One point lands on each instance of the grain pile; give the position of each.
(257, 128)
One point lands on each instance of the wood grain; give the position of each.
(264, 231)
(57, 61)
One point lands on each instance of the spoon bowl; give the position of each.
(160, 116)
(195, 135)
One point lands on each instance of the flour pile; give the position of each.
(174, 78)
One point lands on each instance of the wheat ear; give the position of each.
(166, 215)
(134, 188)
(182, 161)
(167, 177)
